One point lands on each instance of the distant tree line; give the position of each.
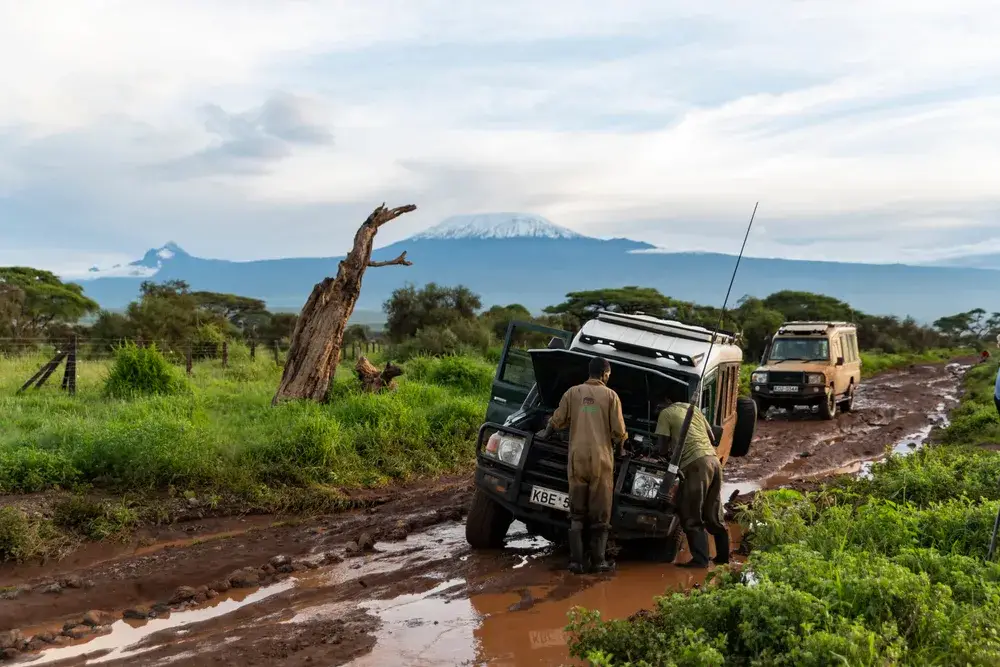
(36, 306)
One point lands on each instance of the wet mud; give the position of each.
(396, 583)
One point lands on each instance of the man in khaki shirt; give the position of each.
(699, 494)
(593, 413)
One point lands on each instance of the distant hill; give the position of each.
(989, 261)
(521, 258)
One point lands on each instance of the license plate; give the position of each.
(786, 389)
(550, 498)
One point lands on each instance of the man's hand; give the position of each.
(545, 433)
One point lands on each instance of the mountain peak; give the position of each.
(497, 226)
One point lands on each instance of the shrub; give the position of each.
(142, 371)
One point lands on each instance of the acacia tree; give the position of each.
(31, 300)
(319, 330)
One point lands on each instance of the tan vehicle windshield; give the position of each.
(799, 349)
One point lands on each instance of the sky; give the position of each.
(867, 130)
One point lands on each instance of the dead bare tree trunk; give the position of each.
(319, 331)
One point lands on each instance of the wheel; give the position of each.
(487, 523)
(661, 550)
(847, 404)
(762, 406)
(828, 408)
(746, 424)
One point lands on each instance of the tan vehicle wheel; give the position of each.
(828, 409)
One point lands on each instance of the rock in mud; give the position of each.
(352, 549)
(11, 639)
(95, 618)
(245, 578)
(10, 653)
(286, 568)
(220, 586)
(11, 593)
(52, 589)
(139, 613)
(397, 534)
(79, 632)
(331, 558)
(183, 594)
(46, 637)
(267, 570)
(72, 582)
(280, 560)
(366, 542)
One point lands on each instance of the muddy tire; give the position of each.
(847, 404)
(762, 407)
(487, 523)
(662, 550)
(746, 424)
(828, 408)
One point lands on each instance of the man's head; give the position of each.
(600, 369)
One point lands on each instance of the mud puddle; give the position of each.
(425, 601)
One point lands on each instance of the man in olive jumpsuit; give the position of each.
(699, 494)
(593, 413)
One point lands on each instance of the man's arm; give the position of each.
(559, 419)
(663, 434)
(618, 432)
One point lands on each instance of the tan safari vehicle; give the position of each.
(811, 364)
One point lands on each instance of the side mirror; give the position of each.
(840, 361)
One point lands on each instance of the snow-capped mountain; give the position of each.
(497, 226)
(147, 267)
(519, 258)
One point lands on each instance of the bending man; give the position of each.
(593, 413)
(699, 494)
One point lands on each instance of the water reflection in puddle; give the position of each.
(499, 628)
(125, 635)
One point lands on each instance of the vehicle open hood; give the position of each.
(640, 389)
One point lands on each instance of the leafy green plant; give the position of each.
(142, 371)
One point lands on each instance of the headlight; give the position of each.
(815, 378)
(645, 485)
(510, 449)
(759, 378)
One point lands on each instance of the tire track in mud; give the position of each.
(397, 583)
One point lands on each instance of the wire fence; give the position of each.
(96, 349)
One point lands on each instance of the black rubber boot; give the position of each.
(598, 547)
(576, 565)
(698, 545)
(721, 548)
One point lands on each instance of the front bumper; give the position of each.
(631, 517)
(803, 393)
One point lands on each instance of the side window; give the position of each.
(728, 386)
(517, 369)
(854, 345)
(709, 394)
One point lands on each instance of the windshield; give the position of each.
(800, 349)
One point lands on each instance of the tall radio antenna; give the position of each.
(672, 468)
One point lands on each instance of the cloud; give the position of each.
(246, 142)
(867, 130)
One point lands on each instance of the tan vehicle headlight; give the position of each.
(815, 378)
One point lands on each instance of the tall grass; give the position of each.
(223, 433)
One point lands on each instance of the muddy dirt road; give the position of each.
(396, 583)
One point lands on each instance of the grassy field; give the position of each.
(879, 571)
(221, 433)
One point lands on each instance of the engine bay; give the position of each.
(641, 439)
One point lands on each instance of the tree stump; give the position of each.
(319, 331)
(372, 379)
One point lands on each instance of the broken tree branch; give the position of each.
(399, 261)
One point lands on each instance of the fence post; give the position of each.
(225, 354)
(253, 349)
(71, 366)
(189, 359)
(274, 348)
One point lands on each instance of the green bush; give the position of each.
(142, 371)
(464, 374)
(24, 538)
